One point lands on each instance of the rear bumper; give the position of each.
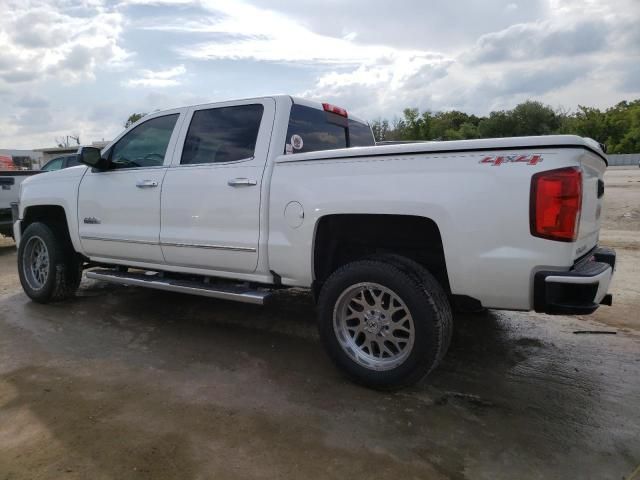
(578, 291)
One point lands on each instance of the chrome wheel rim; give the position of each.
(374, 326)
(35, 263)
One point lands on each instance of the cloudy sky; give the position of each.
(82, 66)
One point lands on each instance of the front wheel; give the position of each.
(386, 322)
(48, 267)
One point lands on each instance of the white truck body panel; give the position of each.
(59, 188)
(482, 211)
(195, 222)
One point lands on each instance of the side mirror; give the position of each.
(91, 156)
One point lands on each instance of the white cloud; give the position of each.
(373, 61)
(523, 42)
(159, 78)
(576, 55)
(254, 33)
(390, 85)
(42, 40)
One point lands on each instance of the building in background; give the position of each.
(20, 159)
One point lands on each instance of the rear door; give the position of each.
(119, 209)
(211, 193)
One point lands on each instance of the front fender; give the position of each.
(59, 189)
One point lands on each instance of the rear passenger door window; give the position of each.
(221, 135)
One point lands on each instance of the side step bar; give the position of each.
(237, 293)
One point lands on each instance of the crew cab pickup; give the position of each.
(236, 200)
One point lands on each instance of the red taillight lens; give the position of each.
(333, 109)
(556, 200)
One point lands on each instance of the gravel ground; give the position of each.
(132, 383)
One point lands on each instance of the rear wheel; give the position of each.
(48, 267)
(385, 321)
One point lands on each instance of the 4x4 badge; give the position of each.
(497, 160)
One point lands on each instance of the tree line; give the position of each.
(618, 127)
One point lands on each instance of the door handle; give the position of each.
(241, 182)
(146, 184)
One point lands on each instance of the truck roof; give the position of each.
(280, 96)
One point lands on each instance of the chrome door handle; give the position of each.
(146, 184)
(241, 182)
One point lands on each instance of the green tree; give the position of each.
(617, 126)
(497, 124)
(133, 118)
(624, 127)
(380, 130)
(445, 125)
(412, 124)
(535, 118)
(587, 122)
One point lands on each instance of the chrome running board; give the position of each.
(236, 293)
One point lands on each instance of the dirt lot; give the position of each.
(129, 383)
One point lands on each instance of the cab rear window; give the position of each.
(312, 130)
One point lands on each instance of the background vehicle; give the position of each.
(10, 180)
(237, 199)
(61, 162)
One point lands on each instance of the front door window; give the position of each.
(145, 145)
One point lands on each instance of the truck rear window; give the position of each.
(312, 130)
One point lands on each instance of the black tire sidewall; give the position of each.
(428, 337)
(56, 261)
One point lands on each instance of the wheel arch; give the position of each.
(55, 216)
(342, 238)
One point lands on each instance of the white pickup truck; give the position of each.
(236, 200)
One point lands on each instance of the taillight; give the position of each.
(556, 200)
(333, 109)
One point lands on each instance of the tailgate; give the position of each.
(593, 168)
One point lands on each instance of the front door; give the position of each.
(211, 193)
(119, 209)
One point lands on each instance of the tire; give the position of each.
(49, 268)
(375, 346)
(429, 284)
